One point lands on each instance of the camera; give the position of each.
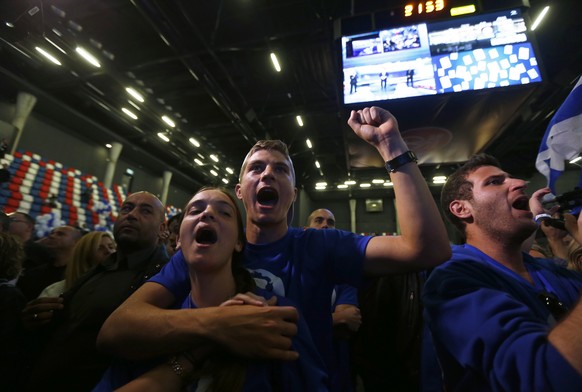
(567, 201)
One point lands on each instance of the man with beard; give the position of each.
(499, 318)
(67, 357)
(302, 265)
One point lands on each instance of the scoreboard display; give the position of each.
(438, 47)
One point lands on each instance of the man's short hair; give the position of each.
(458, 188)
(26, 217)
(269, 145)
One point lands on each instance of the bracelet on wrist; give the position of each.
(541, 217)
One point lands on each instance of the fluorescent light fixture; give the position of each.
(88, 56)
(9, 24)
(388, 183)
(365, 185)
(229, 170)
(225, 180)
(350, 182)
(320, 188)
(168, 121)
(439, 179)
(321, 184)
(275, 62)
(55, 45)
(540, 17)
(48, 55)
(308, 142)
(214, 157)
(133, 104)
(299, 120)
(317, 165)
(198, 161)
(134, 94)
(163, 136)
(108, 145)
(342, 186)
(200, 155)
(129, 113)
(129, 171)
(576, 159)
(213, 172)
(194, 142)
(378, 181)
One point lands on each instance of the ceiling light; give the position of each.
(194, 142)
(163, 136)
(200, 155)
(576, 159)
(540, 17)
(55, 45)
(108, 145)
(134, 94)
(321, 184)
(317, 165)
(129, 113)
(168, 121)
(342, 186)
(88, 56)
(365, 185)
(228, 169)
(388, 183)
(9, 24)
(48, 55)
(133, 104)
(299, 120)
(378, 181)
(214, 173)
(350, 182)
(225, 180)
(275, 62)
(214, 157)
(57, 32)
(198, 161)
(308, 142)
(439, 179)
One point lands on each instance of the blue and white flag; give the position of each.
(563, 138)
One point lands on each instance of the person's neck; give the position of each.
(62, 257)
(258, 233)
(212, 289)
(504, 252)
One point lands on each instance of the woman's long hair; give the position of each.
(227, 370)
(83, 257)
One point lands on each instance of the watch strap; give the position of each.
(401, 160)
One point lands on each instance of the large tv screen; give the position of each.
(460, 54)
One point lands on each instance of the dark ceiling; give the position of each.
(206, 65)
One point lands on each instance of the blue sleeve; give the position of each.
(174, 276)
(482, 332)
(345, 295)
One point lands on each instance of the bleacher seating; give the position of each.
(79, 198)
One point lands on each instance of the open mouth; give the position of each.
(522, 203)
(267, 196)
(206, 236)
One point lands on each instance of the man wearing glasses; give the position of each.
(498, 317)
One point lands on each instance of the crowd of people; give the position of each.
(206, 301)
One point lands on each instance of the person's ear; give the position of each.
(238, 247)
(461, 209)
(237, 191)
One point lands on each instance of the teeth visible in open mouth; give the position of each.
(267, 196)
(206, 236)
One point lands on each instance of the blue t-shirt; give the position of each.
(490, 327)
(308, 373)
(303, 266)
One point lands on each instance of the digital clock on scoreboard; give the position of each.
(418, 8)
